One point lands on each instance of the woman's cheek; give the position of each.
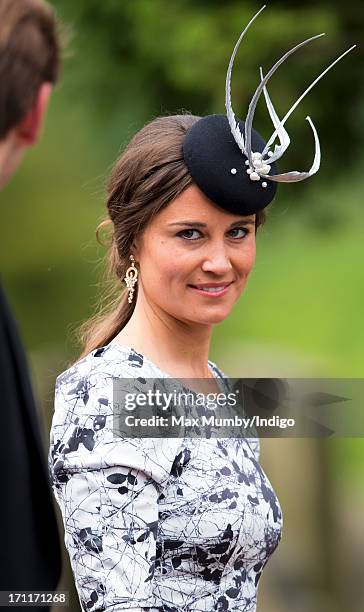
(250, 259)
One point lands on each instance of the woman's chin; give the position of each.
(211, 318)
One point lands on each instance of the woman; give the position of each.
(158, 523)
(167, 524)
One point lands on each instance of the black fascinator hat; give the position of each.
(230, 161)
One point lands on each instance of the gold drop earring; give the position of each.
(131, 277)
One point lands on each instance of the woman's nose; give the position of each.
(217, 261)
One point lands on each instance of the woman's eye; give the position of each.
(188, 234)
(194, 234)
(243, 232)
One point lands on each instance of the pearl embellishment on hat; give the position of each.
(258, 169)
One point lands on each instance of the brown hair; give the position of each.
(148, 176)
(29, 56)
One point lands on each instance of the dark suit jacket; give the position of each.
(30, 557)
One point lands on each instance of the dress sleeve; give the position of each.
(107, 489)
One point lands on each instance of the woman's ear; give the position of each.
(135, 248)
(29, 128)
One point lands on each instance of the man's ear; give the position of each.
(29, 128)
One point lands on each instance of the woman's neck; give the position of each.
(175, 346)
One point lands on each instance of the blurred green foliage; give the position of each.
(146, 58)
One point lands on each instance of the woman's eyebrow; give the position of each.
(199, 224)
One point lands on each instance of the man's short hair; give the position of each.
(29, 56)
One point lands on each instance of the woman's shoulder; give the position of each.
(91, 379)
(104, 364)
(88, 386)
(85, 432)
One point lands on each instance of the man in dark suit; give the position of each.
(30, 556)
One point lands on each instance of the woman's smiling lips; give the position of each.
(211, 289)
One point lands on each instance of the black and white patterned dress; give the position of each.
(164, 524)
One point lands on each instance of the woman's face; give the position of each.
(194, 259)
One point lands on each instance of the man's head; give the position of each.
(29, 65)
